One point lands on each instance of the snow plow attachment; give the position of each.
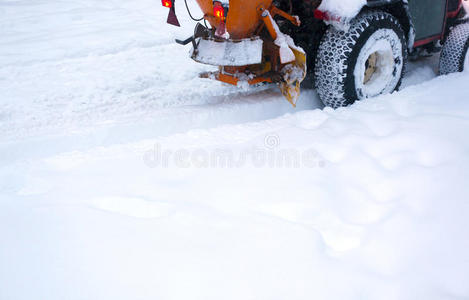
(293, 75)
(246, 44)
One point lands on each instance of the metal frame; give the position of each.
(441, 36)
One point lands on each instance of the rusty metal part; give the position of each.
(370, 67)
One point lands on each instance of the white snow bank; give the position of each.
(375, 208)
(346, 9)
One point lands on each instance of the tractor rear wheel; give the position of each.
(455, 53)
(365, 61)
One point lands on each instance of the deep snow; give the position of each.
(110, 187)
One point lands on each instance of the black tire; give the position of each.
(455, 53)
(339, 53)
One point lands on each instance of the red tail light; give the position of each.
(219, 11)
(167, 3)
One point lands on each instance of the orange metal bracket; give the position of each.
(268, 21)
(230, 79)
(267, 17)
(233, 80)
(293, 19)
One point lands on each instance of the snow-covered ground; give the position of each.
(124, 176)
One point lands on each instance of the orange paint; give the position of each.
(243, 17)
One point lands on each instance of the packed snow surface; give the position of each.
(124, 176)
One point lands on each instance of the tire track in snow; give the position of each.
(130, 85)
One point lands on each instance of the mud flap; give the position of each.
(172, 18)
(293, 74)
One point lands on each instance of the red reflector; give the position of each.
(218, 11)
(320, 15)
(167, 3)
(325, 16)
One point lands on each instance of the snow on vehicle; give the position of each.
(347, 50)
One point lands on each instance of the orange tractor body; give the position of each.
(245, 43)
(243, 18)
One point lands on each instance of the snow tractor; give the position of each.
(347, 49)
